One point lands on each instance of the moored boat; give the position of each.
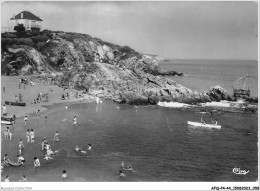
(198, 124)
(15, 103)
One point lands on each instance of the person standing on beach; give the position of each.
(4, 110)
(25, 120)
(10, 135)
(36, 162)
(20, 146)
(43, 144)
(66, 107)
(4, 89)
(32, 136)
(6, 132)
(28, 134)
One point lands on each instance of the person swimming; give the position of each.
(25, 120)
(121, 174)
(23, 179)
(75, 121)
(129, 167)
(89, 147)
(5, 159)
(36, 162)
(20, 159)
(56, 136)
(64, 174)
(6, 178)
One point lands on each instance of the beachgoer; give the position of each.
(66, 107)
(19, 85)
(6, 158)
(43, 144)
(36, 162)
(122, 165)
(216, 122)
(46, 118)
(16, 98)
(77, 149)
(28, 135)
(37, 112)
(25, 120)
(21, 146)
(6, 132)
(64, 174)
(89, 147)
(56, 136)
(121, 174)
(6, 179)
(4, 89)
(32, 136)
(4, 110)
(75, 121)
(20, 159)
(129, 167)
(10, 135)
(47, 146)
(20, 151)
(23, 179)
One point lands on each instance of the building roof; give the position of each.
(26, 15)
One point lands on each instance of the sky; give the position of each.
(170, 29)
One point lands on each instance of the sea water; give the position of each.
(202, 74)
(155, 140)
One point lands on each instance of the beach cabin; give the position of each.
(29, 21)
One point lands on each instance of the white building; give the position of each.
(29, 21)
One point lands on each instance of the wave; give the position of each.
(173, 104)
(237, 104)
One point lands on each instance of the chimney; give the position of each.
(21, 15)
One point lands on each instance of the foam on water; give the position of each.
(173, 104)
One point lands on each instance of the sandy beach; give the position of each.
(11, 84)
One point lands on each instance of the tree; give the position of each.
(19, 28)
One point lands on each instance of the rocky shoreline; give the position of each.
(81, 62)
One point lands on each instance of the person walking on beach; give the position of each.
(56, 136)
(75, 121)
(28, 134)
(32, 136)
(36, 162)
(25, 120)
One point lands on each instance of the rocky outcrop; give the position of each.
(119, 73)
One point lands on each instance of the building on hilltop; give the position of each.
(29, 21)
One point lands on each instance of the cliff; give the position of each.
(97, 67)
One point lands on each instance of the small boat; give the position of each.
(198, 124)
(16, 164)
(6, 120)
(15, 103)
